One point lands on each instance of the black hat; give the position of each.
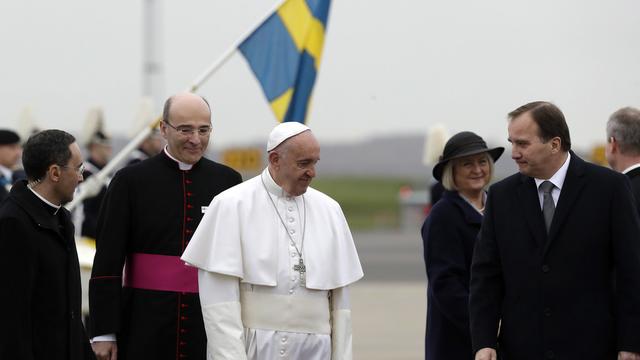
(8, 137)
(463, 144)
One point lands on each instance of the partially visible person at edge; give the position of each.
(150, 146)
(10, 153)
(449, 234)
(147, 219)
(39, 267)
(99, 149)
(623, 145)
(556, 268)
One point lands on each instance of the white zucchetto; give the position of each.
(284, 131)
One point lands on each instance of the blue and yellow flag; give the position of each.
(284, 54)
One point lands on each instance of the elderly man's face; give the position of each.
(10, 155)
(189, 128)
(531, 154)
(295, 165)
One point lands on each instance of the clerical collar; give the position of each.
(271, 185)
(181, 165)
(6, 172)
(55, 207)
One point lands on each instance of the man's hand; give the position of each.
(625, 355)
(105, 350)
(487, 354)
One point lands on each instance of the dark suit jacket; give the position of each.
(572, 294)
(448, 235)
(634, 176)
(40, 276)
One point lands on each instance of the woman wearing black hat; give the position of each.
(449, 234)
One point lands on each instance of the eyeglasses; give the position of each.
(189, 130)
(79, 170)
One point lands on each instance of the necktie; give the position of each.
(4, 181)
(548, 207)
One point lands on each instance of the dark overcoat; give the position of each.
(40, 275)
(448, 235)
(151, 207)
(634, 176)
(572, 294)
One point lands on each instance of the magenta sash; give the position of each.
(160, 272)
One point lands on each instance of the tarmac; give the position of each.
(389, 304)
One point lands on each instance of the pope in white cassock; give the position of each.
(275, 259)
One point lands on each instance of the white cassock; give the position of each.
(254, 304)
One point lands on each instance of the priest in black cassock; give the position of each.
(151, 209)
(39, 268)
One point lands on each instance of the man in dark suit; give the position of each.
(556, 269)
(39, 268)
(623, 145)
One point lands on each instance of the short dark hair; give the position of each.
(43, 149)
(167, 108)
(550, 121)
(624, 126)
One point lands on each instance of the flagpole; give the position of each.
(227, 54)
(91, 187)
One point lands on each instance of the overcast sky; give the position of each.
(389, 67)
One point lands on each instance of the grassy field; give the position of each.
(368, 203)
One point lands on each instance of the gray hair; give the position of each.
(448, 180)
(624, 126)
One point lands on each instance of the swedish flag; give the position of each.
(284, 54)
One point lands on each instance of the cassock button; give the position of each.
(293, 254)
(292, 231)
(290, 291)
(291, 220)
(545, 268)
(284, 339)
(281, 351)
(290, 208)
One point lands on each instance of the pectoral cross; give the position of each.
(302, 269)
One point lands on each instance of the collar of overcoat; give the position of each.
(36, 210)
(528, 196)
(633, 173)
(471, 215)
